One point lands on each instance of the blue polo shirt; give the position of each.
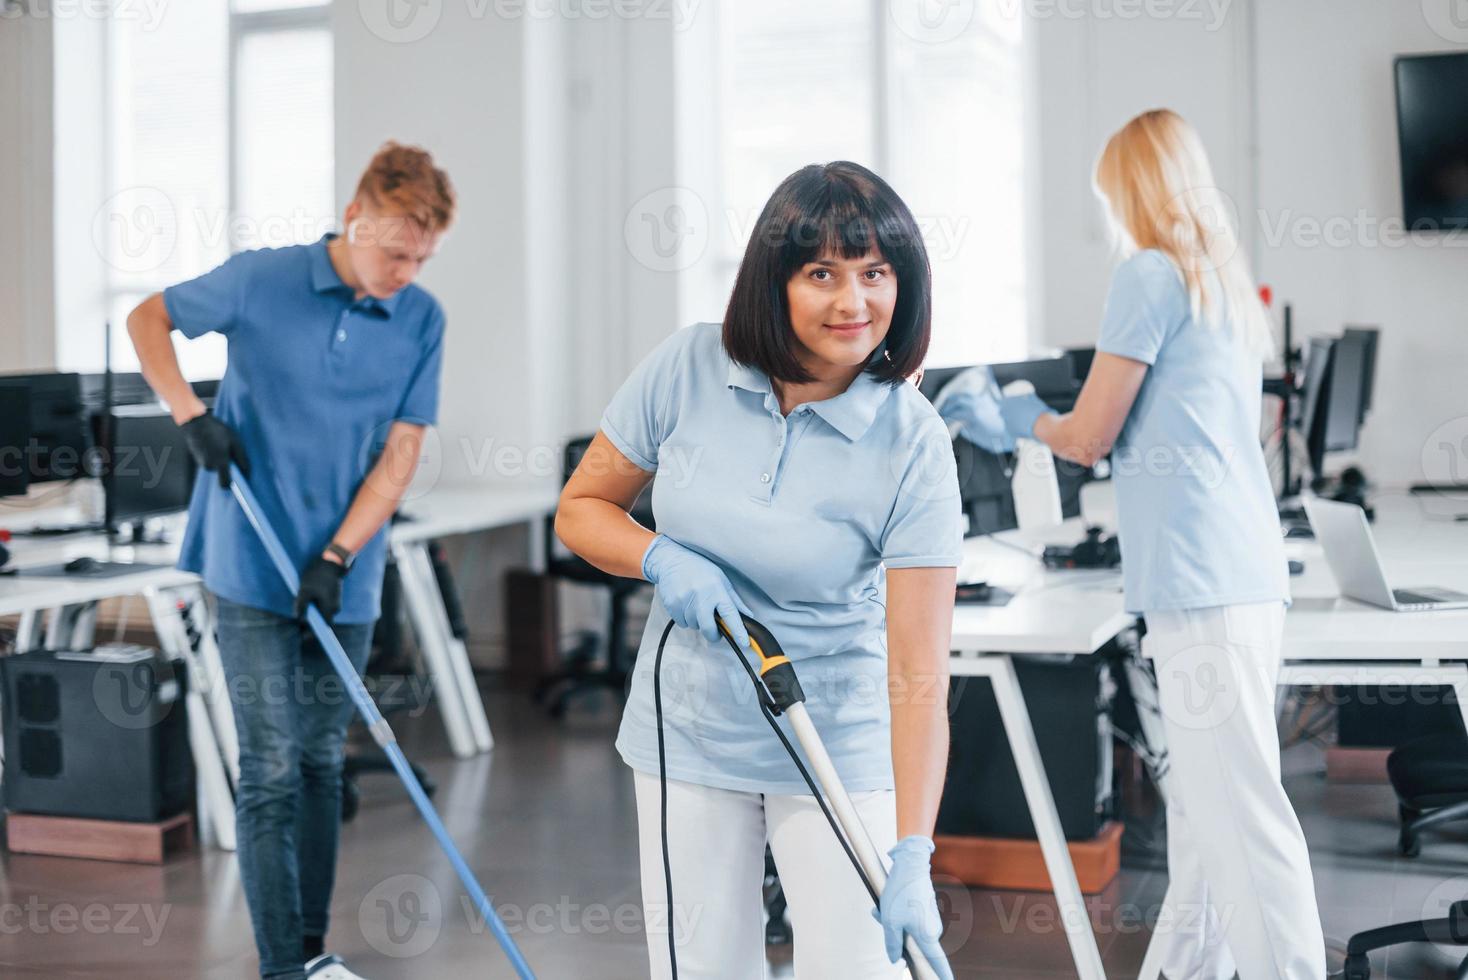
(803, 513)
(1195, 507)
(315, 380)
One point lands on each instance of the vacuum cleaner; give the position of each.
(778, 691)
(382, 734)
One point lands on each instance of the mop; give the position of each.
(382, 734)
(779, 692)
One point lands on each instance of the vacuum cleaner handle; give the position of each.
(775, 669)
(778, 675)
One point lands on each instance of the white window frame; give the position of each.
(241, 26)
(726, 261)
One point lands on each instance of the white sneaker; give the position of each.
(329, 967)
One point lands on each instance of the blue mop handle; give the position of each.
(381, 732)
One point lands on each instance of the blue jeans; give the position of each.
(291, 711)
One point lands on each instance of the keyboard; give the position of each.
(1425, 598)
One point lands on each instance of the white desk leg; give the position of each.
(425, 612)
(57, 626)
(216, 686)
(1021, 733)
(84, 626)
(1152, 960)
(214, 792)
(537, 557)
(30, 632)
(464, 681)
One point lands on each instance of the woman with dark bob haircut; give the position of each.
(797, 477)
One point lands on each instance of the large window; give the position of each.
(219, 139)
(929, 94)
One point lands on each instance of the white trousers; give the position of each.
(1240, 894)
(716, 849)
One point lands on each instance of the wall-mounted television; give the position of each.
(1432, 135)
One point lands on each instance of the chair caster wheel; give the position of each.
(1358, 968)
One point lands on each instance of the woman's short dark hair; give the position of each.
(839, 208)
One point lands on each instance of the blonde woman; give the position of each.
(1174, 395)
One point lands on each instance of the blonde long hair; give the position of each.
(1154, 178)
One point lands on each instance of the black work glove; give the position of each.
(214, 446)
(321, 586)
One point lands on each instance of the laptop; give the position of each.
(1345, 536)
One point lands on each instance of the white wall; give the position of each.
(1295, 102)
(26, 303)
(1328, 153)
(1093, 74)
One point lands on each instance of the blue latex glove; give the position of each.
(979, 420)
(1020, 413)
(694, 589)
(909, 906)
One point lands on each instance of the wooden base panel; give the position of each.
(1019, 865)
(100, 840)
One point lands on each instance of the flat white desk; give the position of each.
(446, 511)
(1052, 612)
(177, 608)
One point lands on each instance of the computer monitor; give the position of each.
(1366, 337)
(984, 477)
(149, 471)
(58, 440)
(128, 388)
(1338, 382)
(15, 431)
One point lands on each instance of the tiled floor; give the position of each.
(547, 822)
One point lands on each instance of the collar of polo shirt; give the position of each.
(850, 413)
(324, 279)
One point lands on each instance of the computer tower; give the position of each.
(100, 734)
(1069, 703)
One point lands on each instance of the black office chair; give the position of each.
(584, 671)
(1430, 777)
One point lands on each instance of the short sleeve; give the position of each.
(420, 403)
(1146, 301)
(638, 418)
(210, 303)
(925, 529)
